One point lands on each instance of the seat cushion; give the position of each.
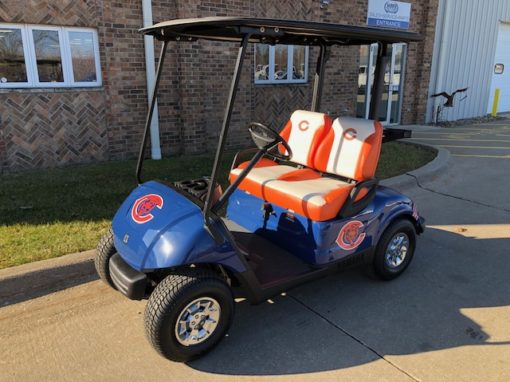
(260, 174)
(263, 162)
(302, 191)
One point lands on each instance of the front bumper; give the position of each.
(420, 225)
(127, 280)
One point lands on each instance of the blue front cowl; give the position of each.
(150, 211)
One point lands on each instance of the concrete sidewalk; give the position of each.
(446, 318)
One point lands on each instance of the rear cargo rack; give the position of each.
(391, 134)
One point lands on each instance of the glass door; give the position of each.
(389, 112)
(396, 83)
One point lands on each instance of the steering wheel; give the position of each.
(267, 139)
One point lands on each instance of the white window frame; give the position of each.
(290, 63)
(65, 54)
(30, 35)
(26, 53)
(97, 59)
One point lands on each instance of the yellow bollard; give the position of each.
(495, 103)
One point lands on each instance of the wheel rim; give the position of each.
(397, 250)
(197, 321)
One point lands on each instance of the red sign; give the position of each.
(141, 211)
(351, 235)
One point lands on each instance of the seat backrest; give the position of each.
(350, 149)
(304, 132)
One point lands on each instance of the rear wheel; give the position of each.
(105, 250)
(188, 313)
(395, 250)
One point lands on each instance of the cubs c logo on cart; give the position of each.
(141, 211)
(351, 235)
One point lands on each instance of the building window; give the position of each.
(83, 56)
(272, 63)
(36, 56)
(48, 55)
(13, 66)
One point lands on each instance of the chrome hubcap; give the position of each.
(396, 251)
(197, 321)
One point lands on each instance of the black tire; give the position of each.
(381, 267)
(167, 303)
(105, 250)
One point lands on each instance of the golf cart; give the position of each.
(300, 205)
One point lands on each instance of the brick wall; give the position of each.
(124, 75)
(3, 149)
(41, 128)
(48, 129)
(51, 127)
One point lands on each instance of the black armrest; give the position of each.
(351, 206)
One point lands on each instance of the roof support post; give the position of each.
(319, 77)
(148, 120)
(230, 190)
(226, 124)
(380, 67)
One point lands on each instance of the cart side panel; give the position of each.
(319, 243)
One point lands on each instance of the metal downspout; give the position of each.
(151, 79)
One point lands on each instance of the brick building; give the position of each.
(87, 102)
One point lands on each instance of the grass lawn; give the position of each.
(49, 213)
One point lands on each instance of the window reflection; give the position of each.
(362, 81)
(262, 62)
(280, 62)
(82, 55)
(47, 53)
(298, 69)
(12, 58)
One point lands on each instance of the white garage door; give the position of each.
(501, 80)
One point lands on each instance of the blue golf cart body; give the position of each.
(265, 233)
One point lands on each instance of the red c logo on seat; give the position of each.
(303, 125)
(141, 211)
(350, 134)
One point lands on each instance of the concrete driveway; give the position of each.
(447, 318)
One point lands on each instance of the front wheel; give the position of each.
(395, 250)
(188, 313)
(105, 251)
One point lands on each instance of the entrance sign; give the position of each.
(389, 14)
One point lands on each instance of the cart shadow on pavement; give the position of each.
(350, 319)
(39, 283)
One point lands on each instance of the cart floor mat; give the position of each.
(271, 263)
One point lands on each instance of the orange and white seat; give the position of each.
(303, 133)
(348, 147)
